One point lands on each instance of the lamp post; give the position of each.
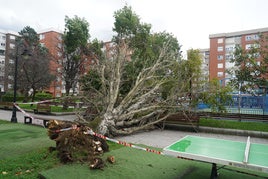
(14, 110)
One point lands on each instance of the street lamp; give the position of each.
(14, 111)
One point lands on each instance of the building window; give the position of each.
(12, 46)
(2, 52)
(12, 37)
(229, 65)
(248, 37)
(60, 37)
(220, 57)
(220, 48)
(11, 61)
(41, 36)
(59, 54)
(252, 37)
(256, 37)
(220, 65)
(220, 74)
(229, 49)
(220, 40)
(254, 55)
(229, 56)
(250, 46)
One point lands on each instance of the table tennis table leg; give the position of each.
(214, 173)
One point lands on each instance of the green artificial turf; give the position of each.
(132, 164)
(18, 139)
(24, 154)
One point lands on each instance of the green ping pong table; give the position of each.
(218, 151)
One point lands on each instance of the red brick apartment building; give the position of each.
(222, 46)
(52, 39)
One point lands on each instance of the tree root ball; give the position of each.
(73, 144)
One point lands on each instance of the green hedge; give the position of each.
(43, 96)
(8, 97)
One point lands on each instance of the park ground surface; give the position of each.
(19, 143)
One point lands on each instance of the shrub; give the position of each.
(43, 96)
(8, 97)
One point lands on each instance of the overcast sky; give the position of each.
(191, 21)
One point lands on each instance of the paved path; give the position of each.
(156, 138)
(163, 138)
(6, 115)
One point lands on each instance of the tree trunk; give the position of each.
(65, 104)
(106, 124)
(33, 96)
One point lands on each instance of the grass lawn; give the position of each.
(24, 154)
(24, 150)
(132, 164)
(253, 126)
(17, 139)
(53, 108)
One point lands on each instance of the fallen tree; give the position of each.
(152, 94)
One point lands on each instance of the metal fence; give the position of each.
(257, 105)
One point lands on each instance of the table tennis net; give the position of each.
(246, 154)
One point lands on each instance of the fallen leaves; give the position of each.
(18, 172)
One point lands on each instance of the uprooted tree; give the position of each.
(140, 82)
(149, 100)
(134, 87)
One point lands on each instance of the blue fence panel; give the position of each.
(247, 102)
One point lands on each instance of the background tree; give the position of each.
(76, 37)
(33, 71)
(250, 67)
(194, 89)
(190, 70)
(216, 96)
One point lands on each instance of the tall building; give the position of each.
(2, 60)
(7, 47)
(52, 40)
(49, 38)
(205, 64)
(222, 47)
